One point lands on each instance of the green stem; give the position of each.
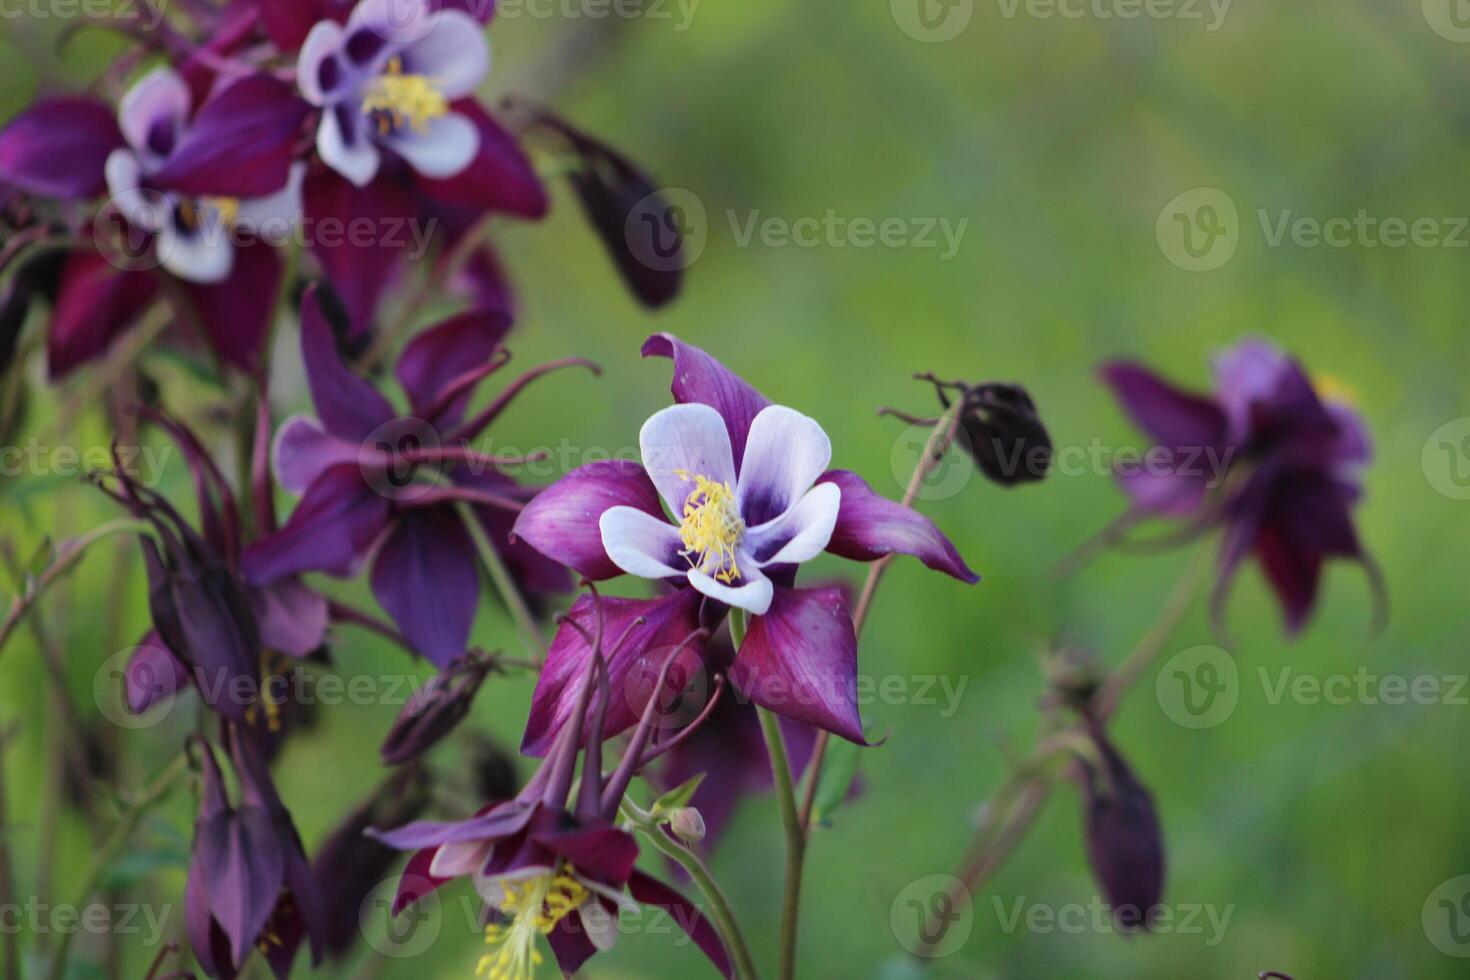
(113, 846)
(7, 874)
(790, 816)
(505, 584)
(719, 906)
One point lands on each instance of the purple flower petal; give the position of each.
(668, 621)
(236, 314)
(799, 534)
(570, 945)
(425, 578)
(360, 267)
(241, 142)
(292, 617)
(152, 674)
(601, 853)
(499, 178)
(287, 22)
(443, 353)
(561, 521)
(651, 891)
(497, 822)
(350, 407)
(700, 378)
(303, 451)
(241, 863)
(58, 147)
(330, 530)
(800, 661)
(95, 302)
(1174, 418)
(870, 527)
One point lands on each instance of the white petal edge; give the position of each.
(462, 858)
(272, 219)
(809, 523)
(784, 454)
(206, 257)
(754, 596)
(454, 54)
(162, 93)
(358, 163)
(323, 42)
(691, 438)
(446, 149)
(636, 542)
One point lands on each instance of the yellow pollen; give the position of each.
(1331, 388)
(534, 906)
(397, 100)
(228, 207)
(710, 528)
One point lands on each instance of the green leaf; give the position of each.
(678, 796)
(836, 779)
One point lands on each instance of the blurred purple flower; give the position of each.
(753, 498)
(357, 468)
(1265, 457)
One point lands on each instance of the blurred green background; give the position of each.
(1322, 828)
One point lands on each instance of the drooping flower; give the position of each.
(1125, 845)
(377, 485)
(250, 886)
(1267, 457)
(751, 498)
(388, 79)
(547, 867)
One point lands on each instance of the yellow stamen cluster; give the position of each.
(535, 906)
(710, 528)
(396, 100)
(1331, 388)
(270, 702)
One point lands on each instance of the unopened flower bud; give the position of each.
(433, 711)
(687, 824)
(1005, 433)
(1125, 845)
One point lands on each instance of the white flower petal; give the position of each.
(753, 594)
(146, 210)
(204, 256)
(395, 21)
(454, 54)
(347, 151)
(463, 858)
(600, 924)
(159, 99)
(321, 48)
(639, 543)
(801, 533)
(784, 454)
(691, 439)
(272, 219)
(443, 150)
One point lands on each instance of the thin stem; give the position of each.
(113, 846)
(7, 873)
(719, 906)
(505, 584)
(934, 450)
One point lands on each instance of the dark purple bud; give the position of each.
(434, 710)
(36, 278)
(642, 231)
(494, 770)
(1125, 844)
(1004, 433)
(349, 864)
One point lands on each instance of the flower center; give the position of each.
(710, 528)
(534, 906)
(395, 100)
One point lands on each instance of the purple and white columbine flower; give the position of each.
(752, 498)
(387, 80)
(196, 234)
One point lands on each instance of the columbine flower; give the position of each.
(360, 468)
(195, 233)
(1267, 457)
(210, 626)
(748, 498)
(546, 868)
(388, 79)
(250, 886)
